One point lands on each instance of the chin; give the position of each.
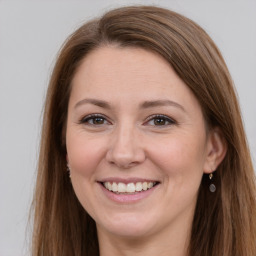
(129, 226)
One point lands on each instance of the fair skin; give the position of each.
(148, 128)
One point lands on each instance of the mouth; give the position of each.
(129, 188)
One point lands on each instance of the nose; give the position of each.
(125, 149)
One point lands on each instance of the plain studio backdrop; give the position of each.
(31, 33)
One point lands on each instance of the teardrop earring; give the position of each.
(212, 187)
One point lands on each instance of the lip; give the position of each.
(127, 198)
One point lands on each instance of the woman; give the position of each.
(143, 149)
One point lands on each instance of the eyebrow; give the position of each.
(144, 105)
(99, 103)
(159, 103)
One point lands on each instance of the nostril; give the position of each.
(123, 161)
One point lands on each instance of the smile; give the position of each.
(122, 188)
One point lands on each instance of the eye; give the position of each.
(94, 119)
(160, 120)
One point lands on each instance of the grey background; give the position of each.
(31, 33)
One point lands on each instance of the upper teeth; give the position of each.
(130, 187)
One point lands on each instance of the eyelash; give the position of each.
(161, 117)
(93, 117)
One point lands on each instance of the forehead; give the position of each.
(113, 73)
(125, 65)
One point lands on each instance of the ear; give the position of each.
(215, 150)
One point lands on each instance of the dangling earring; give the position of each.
(68, 170)
(212, 187)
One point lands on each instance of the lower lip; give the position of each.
(127, 198)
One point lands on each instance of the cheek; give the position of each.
(84, 154)
(180, 155)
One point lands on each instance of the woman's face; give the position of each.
(136, 143)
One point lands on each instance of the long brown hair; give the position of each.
(224, 221)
